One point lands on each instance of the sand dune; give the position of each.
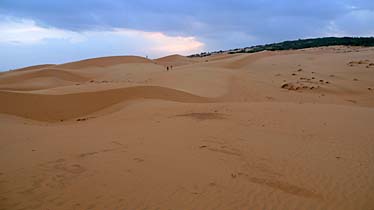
(39, 79)
(245, 59)
(63, 107)
(104, 61)
(269, 130)
(61, 74)
(35, 67)
(175, 60)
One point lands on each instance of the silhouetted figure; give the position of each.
(167, 68)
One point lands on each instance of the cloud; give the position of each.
(221, 24)
(160, 43)
(26, 31)
(357, 22)
(85, 28)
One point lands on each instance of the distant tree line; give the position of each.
(300, 44)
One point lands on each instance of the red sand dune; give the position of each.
(270, 130)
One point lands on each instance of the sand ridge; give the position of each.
(61, 74)
(35, 67)
(104, 61)
(175, 60)
(64, 107)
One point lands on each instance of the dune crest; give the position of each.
(175, 60)
(104, 62)
(54, 73)
(246, 59)
(53, 108)
(41, 66)
(39, 79)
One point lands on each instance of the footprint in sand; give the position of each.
(280, 185)
(204, 115)
(139, 160)
(73, 168)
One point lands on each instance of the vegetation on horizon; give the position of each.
(299, 44)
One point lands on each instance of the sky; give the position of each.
(44, 31)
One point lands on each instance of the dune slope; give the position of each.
(39, 79)
(175, 60)
(104, 61)
(63, 107)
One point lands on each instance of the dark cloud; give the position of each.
(210, 20)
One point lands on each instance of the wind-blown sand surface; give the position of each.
(271, 130)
